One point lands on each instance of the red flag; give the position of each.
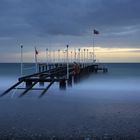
(96, 32)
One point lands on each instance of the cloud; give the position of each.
(66, 17)
(30, 21)
(75, 17)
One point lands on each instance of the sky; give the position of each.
(53, 24)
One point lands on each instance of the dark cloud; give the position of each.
(34, 20)
(56, 17)
(118, 13)
(74, 17)
(66, 17)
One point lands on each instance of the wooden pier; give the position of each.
(54, 72)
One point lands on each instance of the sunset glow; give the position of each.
(102, 55)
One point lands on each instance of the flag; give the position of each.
(96, 32)
(36, 52)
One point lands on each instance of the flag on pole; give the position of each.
(36, 52)
(36, 65)
(95, 32)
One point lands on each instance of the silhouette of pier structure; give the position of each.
(65, 73)
(50, 73)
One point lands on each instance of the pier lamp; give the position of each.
(21, 60)
(67, 61)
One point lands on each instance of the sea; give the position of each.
(98, 105)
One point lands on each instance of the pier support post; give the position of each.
(76, 78)
(62, 84)
(41, 84)
(39, 68)
(46, 68)
(28, 84)
(43, 67)
(69, 81)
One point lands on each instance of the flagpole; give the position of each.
(47, 57)
(93, 47)
(50, 59)
(58, 56)
(84, 58)
(95, 32)
(71, 57)
(87, 56)
(36, 60)
(79, 56)
(74, 54)
(67, 62)
(21, 60)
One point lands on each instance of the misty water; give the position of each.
(100, 103)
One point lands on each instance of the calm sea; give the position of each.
(102, 103)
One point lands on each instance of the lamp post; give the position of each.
(79, 55)
(84, 57)
(47, 57)
(21, 60)
(74, 54)
(71, 56)
(58, 56)
(67, 61)
(36, 60)
(87, 55)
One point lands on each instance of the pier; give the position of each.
(63, 73)
(67, 68)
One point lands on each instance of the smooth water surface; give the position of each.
(102, 103)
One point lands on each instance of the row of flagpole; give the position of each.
(56, 56)
(76, 55)
(81, 57)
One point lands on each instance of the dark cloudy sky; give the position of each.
(55, 23)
